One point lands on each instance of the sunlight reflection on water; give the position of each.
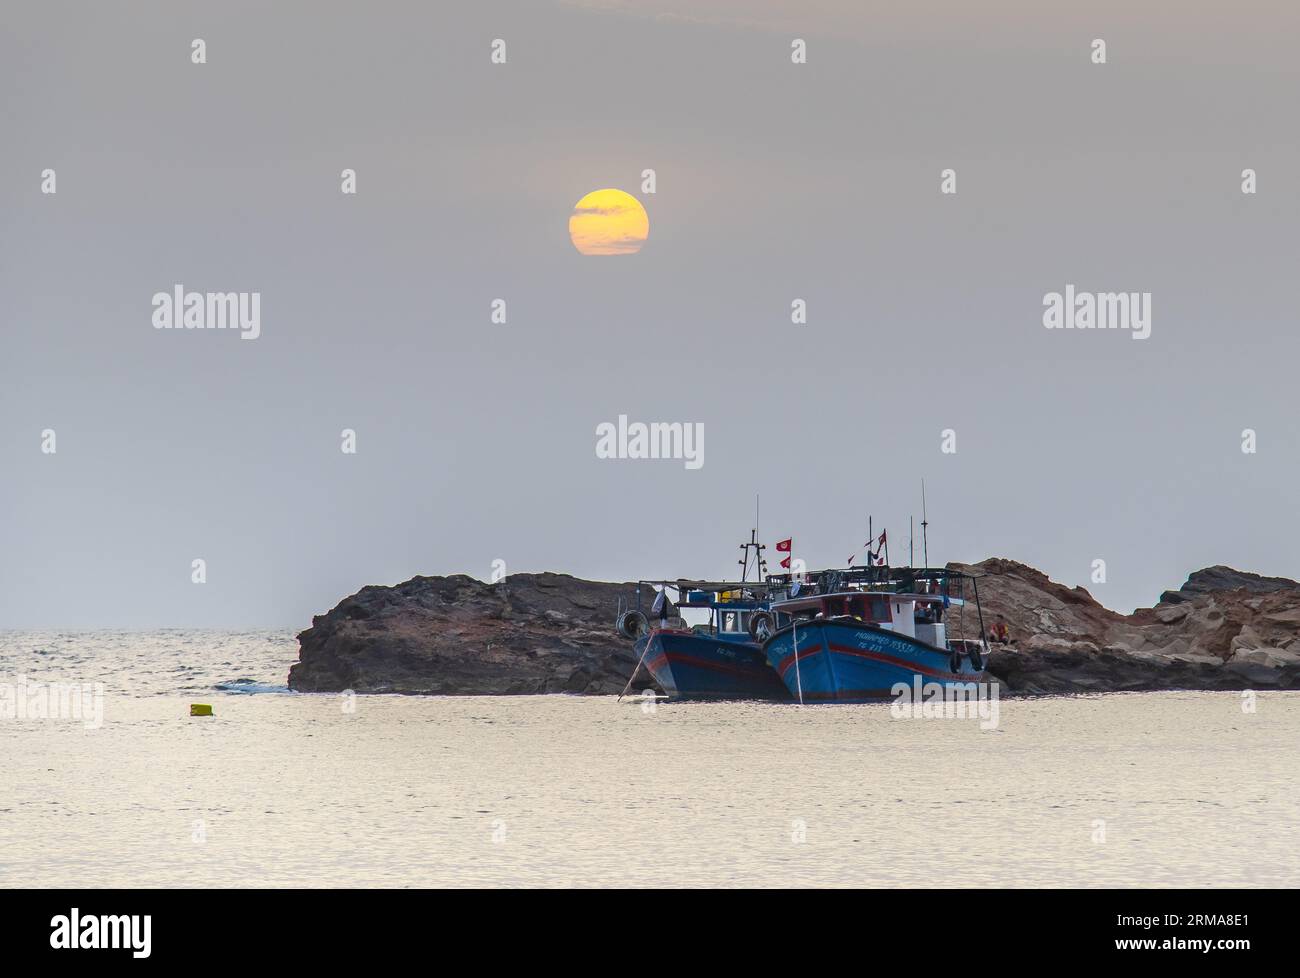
(280, 789)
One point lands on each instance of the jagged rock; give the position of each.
(1170, 615)
(533, 633)
(1221, 578)
(1203, 636)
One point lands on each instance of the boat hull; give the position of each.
(700, 667)
(848, 662)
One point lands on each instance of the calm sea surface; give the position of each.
(1163, 789)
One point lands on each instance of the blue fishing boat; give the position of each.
(861, 631)
(711, 663)
(720, 660)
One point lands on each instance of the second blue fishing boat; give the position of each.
(866, 631)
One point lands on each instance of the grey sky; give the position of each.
(775, 182)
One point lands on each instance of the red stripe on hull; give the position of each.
(784, 665)
(690, 660)
(884, 657)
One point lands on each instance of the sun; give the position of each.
(608, 222)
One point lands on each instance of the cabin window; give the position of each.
(867, 608)
(927, 612)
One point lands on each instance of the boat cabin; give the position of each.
(730, 605)
(730, 622)
(915, 615)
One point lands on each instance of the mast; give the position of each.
(760, 562)
(925, 543)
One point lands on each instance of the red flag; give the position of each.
(786, 562)
(852, 559)
(881, 541)
(783, 546)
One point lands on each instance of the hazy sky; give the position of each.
(775, 181)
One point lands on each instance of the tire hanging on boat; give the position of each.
(632, 625)
(761, 626)
(976, 659)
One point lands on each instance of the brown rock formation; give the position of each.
(1224, 629)
(533, 633)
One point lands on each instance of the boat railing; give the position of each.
(722, 595)
(920, 580)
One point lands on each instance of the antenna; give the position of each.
(760, 562)
(925, 544)
(911, 539)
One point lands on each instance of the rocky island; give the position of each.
(531, 633)
(553, 633)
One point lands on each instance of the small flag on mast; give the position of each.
(783, 547)
(872, 557)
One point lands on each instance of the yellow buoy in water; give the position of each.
(200, 710)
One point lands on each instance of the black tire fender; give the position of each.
(632, 625)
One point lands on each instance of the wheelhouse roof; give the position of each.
(878, 574)
(818, 600)
(683, 584)
(848, 575)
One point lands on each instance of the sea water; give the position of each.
(286, 789)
